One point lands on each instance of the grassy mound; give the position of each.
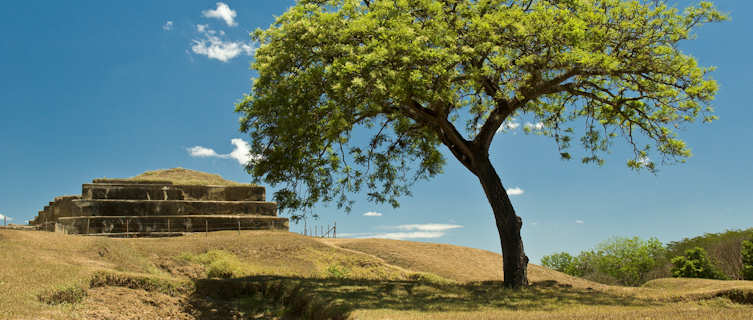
(185, 177)
(452, 262)
(279, 274)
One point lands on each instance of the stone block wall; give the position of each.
(124, 207)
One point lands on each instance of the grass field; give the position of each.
(270, 275)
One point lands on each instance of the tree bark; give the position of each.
(515, 262)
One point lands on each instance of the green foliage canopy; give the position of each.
(723, 249)
(411, 72)
(695, 264)
(562, 262)
(626, 261)
(630, 260)
(747, 253)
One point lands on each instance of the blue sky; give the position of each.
(111, 89)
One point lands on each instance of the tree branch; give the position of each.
(448, 134)
(502, 110)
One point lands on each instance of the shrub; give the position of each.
(339, 272)
(426, 277)
(219, 264)
(629, 260)
(723, 249)
(562, 262)
(625, 261)
(695, 264)
(747, 255)
(67, 294)
(135, 281)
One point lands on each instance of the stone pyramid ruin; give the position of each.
(161, 203)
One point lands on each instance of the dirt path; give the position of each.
(332, 243)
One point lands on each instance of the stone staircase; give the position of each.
(120, 207)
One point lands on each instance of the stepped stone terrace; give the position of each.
(124, 207)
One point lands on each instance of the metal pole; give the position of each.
(88, 220)
(206, 227)
(127, 228)
(334, 230)
(168, 225)
(5, 220)
(239, 226)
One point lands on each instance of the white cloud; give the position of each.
(579, 221)
(407, 231)
(372, 214)
(5, 217)
(241, 153)
(534, 126)
(509, 125)
(395, 235)
(409, 235)
(427, 227)
(515, 191)
(201, 152)
(222, 12)
(167, 26)
(215, 47)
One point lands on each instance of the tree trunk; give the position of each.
(515, 261)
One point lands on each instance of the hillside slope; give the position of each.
(152, 278)
(452, 262)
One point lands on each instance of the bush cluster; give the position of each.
(69, 294)
(625, 261)
(219, 264)
(723, 249)
(695, 264)
(633, 261)
(747, 255)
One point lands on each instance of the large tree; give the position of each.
(354, 95)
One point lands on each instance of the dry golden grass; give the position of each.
(716, 310)
(37, 262)
(377, 279)
(185, 177)
(453, 262)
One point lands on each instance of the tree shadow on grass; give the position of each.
(275, 295)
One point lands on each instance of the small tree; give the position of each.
(562, 262)
(695, 264)
(629, 260)
(626, 261)
(353, 94)
(723, 248)
(747, 253)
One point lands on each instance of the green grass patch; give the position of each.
(134, 281)
(430, 278)
(67, 294)
(338, 271)
(219, 264)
